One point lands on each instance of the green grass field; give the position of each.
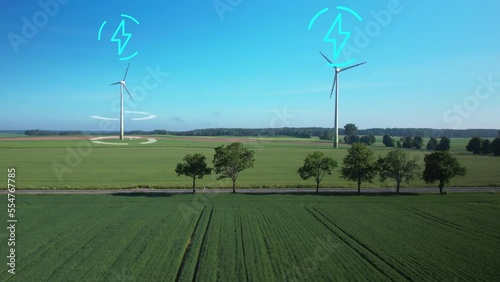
(11, 135)
(56, 164)
(225, 237)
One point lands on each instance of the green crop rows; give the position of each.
(225, 237)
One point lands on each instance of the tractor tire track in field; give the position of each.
(125, 251)
(43, 246)
(152, 234)
(359, 247)
(243, 248)
(57, 240)
(203, 243)
(188, 256)
(445, 222)
(188, 246)
(56, 271)
(47, 245)
(435, 218)
(139, 236)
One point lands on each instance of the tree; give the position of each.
(193, 166)
(418, 142)
(407, 142)
(388, 141)
(495, 146)
(366, 140)
(232, 159)
(398, 144)
(432, 144)
(351, 139)
(326, 135)
(350, 129)
(373, 138)
(359, 165)
(475, 145)
(398, 166)
(441, 167)
(486, 147)
(444, 144)
(316, 165)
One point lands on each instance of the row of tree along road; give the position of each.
(229, 161)
(359, 166)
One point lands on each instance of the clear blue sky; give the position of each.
(255, 64)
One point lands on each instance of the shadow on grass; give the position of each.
(159, 194)
(329, 193)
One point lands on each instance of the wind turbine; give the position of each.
(336, 86)
(122, 86)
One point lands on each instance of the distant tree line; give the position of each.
(327, 133)
(36, 132)
(243, 132)
(300, 132)
(154, 132)
(430, 132)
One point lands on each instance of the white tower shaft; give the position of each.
(121, 112)
(336, 142)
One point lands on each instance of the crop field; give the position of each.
(245, 237)
(80, 164)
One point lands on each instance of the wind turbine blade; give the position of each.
(126, 72)
(124, 86)
(115, 83)
(333, 86)
(357, 65)
(325, 57)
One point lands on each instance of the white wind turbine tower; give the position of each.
(122, 86)
(336, 86)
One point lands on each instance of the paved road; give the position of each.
(261, 191)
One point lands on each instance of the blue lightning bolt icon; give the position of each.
(121, 45)
(328, 38)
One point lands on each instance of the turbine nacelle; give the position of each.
(337, 71)
(122, 82)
